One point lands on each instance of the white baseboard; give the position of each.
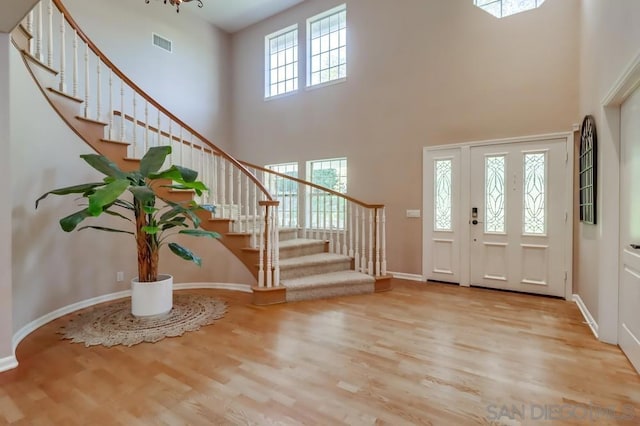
(593, 325)
(408, 277)
(11, 362)
(244, 288)
(8, 363)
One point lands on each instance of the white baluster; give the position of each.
(40, 18)
(383, 267)
(356, 256)
(269, 237)
(30, 30)
(261, 256)
(239, 201)
(254, 232)
(75, 64)
(223, 187)
(62, 85)
(377, 266)
(159, 142)
(122, 117)
(214, 179)
(351, 231)
(276, 250)
(181, 147)
(231, 200)
(324, 217)
(110, 104)
(50, 38)
(172, 156)
(191, 164)
(146, 126)
(135, 125)
(247, 208)
(371, 242)
(332, 245)
(363, 253)
(301, 208)
(318, 234)
(86, 81)
(344, 227)
(98, 89)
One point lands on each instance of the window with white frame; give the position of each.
(503, 8)
(327, 211)
(281, 59)
(285, 191)
(327, 46)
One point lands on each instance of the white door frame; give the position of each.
(463, 219)
(609, 159)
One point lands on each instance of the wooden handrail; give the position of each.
(61, 7)
(314, 185)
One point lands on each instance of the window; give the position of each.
(443, 195)
(534, 190)
(588, 170)
(327, 46)
(326, 210)
(494, 195)
(503, 8)
(285, 191)
(281, 58)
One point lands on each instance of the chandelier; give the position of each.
(177, 3)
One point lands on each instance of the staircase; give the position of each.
(337, 249)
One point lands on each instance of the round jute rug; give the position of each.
(113, 324)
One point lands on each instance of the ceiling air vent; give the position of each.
(162, 42)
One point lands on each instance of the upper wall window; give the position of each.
(281, 58)
(502, 8)
(327, 46)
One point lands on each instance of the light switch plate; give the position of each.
(413, 213)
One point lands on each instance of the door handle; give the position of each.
(475, 222)
(635, 246)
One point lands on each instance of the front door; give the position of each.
(629, 292)
(517, 216)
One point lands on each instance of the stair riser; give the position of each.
(306, 270)
(288, 253)
(327, 292)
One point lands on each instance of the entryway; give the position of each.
(496, 214)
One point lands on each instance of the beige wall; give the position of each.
(6, 331)
(13, 12)
(421, 72)
(51, 268)
(192, 82)
(610, 39)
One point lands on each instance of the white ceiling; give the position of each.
(234, 15)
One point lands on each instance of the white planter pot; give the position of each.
(151, 299)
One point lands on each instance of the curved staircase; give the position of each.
(120, 121)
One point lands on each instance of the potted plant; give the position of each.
(155, 219)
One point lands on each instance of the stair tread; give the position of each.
(328, 280)
(313, 259)
(300, 242)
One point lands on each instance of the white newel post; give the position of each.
(276, 248)
(383, 247)
(261, 253)
(269, 248)
(371, 242)
(377, 233)
(363, 253)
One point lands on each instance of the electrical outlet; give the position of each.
(120, 276)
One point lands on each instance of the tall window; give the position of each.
(285, 191)
(327, 46)
(281, 58)
(503, 8)
(326, 210)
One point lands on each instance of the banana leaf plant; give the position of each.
(153, 222)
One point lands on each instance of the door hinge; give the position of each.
(566, 217)
(566, 275)
(566, 158)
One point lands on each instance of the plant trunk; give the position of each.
(147, 256)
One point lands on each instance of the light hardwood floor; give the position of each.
(420, 354)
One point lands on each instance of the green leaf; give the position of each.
(102, 228)
(124, 204)
(103, 165)
(106, 196)
(120, 215)
(70, 222)
(143, 194)
(179, 209)
(151, 230)
(76, 189)
(177, 174)
(184, 253)
(200, 233)
(176, 222)
(150, 209)
(154, 159)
